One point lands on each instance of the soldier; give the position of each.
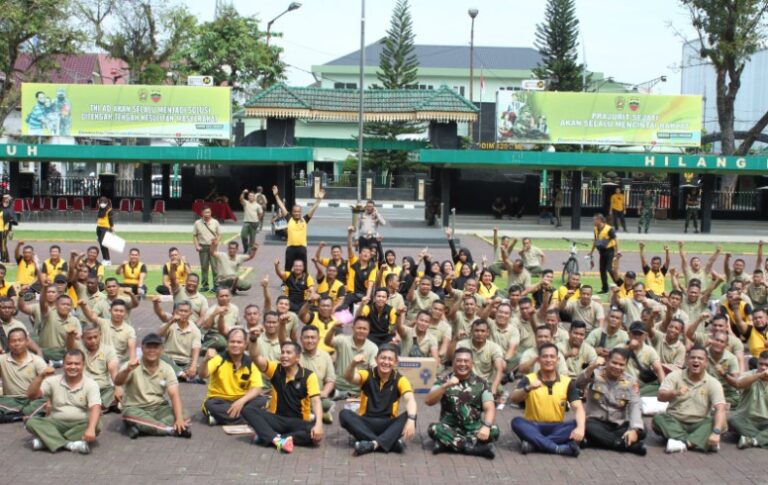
(613, 406)
(18, 368)
(467, 411)
(750, 419)
(647, 206)
(101, 363)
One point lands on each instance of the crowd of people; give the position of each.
(580, 367)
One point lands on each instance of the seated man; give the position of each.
(228, 266)
(146, 381)
(382, 316)
(692, 394)
(530, 358)
(224, 312)
(584, 308)
(578, 354)
(655, 273)
(235, 381)
(377, 426)
(416, 341)
(467, 410)
(134, 272)
(319, 361)
(18, 369)
(605, 339)
(532, 256)
(487, 356)
(188, 292)
(322, 319)
(114, 330)
(750, 419)
(74, 404)
(613, 406)
(346, 347)
(177, 266)
(644, 363)
(294, 407)
(101, 363)
(543, 426)
(182, 340)
(55, 325)
(8, 323)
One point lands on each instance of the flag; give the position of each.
(482, 81)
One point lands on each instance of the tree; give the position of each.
(398, 69)
(557, 39)
(39, 30)
(146, 34)
(232, 50)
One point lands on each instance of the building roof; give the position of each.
(113, 71)
(452, 57)
(67, 69)
(281, 101)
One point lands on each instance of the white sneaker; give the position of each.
(78, 447)
(676, 446)
(37, 445)
(212, 421)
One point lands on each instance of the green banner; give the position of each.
(125, 111)
(538, 117)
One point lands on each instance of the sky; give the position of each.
(633, 41)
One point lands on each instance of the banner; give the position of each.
(598, 119)
(125, 111)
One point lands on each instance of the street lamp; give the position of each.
(648, 85)
(472, 14)
(291, 7)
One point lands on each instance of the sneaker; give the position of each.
(744, 442)
(399, 446)
(185, 433)
(37, 445)
(485, 450)
(286, 445)
(714, 449)
(363, 447)
(78, 447)
(676, 446)
(133, 432)
(638, 449)
(525, 447)
(438, 448)
(212, 421)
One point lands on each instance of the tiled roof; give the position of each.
(281, 101)
(452, 57)
(68, 69)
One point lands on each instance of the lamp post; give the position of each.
(472, 14)
(291, 7)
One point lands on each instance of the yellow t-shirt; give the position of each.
(617, 202)
(297, 231)
(230, 384)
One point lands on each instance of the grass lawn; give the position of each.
(130, 237)
(650, 246)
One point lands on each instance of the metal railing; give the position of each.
(84, 186)
(348, 179)
(91, 187)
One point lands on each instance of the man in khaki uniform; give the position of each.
(667, 343)
(114, 330)
(439, 328)
(603, 340)
(320, 362)
(416, 341)
(584, 309)
(505, 333)
(182, 340)
(205, 232)
(55, 325)
(633, 307)
(487, 356)
(146, 382)
(529, 359)
(724, 367)
(578, 354)
(253, 212)
(101, 363)
(8, 323)
(74, 403)
(18, 368)
(228, 265)
(189, 293)
(347, 347)
(222, 313)
(750, 419)
(421, 298)
(644, 363)
(691, 394)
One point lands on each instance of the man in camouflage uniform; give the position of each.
(647, 204)
(467, 410)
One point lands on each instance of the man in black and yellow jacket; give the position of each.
(607, 246)
(377, 426)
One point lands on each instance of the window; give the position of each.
(344, 85)
(509, 88)
(425, 86)
(459, 89)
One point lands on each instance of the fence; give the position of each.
(91, 186)
(348, 179)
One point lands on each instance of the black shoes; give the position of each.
(363, 447)
(525, 447)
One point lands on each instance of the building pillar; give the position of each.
(146, 192)
(14, 179)
(576, 200)
(707, 191)
(674, 195)
(557, 181)
(445, 196)
(165, 169)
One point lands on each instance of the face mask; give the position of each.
(103, 205)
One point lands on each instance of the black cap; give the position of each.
(637, 327)
(152, 339)
(630, 274)
(60, 278)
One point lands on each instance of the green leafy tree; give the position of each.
(557, 40)
(40, 30)
(149, 35)
(233, 50)
(398, 69)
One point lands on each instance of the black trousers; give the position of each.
(292, 253)
(606, 260)
(218, 408)
(100, 231)
(602, 434)
(618, 218)
(384, 431)
(268, 425)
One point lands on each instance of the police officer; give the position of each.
(606, 244)
(613, 406)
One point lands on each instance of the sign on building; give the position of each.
(543, 117)
(206, 81)
(133, 111)
(533, 84)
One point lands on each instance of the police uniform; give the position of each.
(212, 339)
(461, 413)
(613, 407)
(750, 418)
(17, 377)
(205, 232)
(377, 419)
(359, 278)
(289, 411)
(145, 405)
(132, 274)
(382, 322)
(227, 385)
(296, 289)
(296, 247)
(605, 242)
(336, 290)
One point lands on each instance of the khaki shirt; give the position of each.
(589, 314)
(758, 294)
(614, 401)
(70, 404)
(252, 211)
(632, 308)
(396, 301)
(419, 303)
(463, 324)
(206, 235)
(53, 334)
(117, 336)
(227, 266)
(730, 365)
(505, 337)
(13, 324)
(694, 310)
(562, 366)
(611, 341)
(697, 403)
(754, 400)
(198, 302)
(425, 345)
(668, 354)
(230, 318)
(733, 346)
(145, 390)
(97, 364)
(523, 279)
(483, 358)
(321, 364)
(646, 357)
(180, 342)
(345, 351)
(440, 331)
(527, 337)
(689, 274)
(587, 354)
(269, 349)
(17, 377)
(532, 257)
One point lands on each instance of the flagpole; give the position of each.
(480, 120)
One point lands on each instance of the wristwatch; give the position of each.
(716, 431)
(412, 417)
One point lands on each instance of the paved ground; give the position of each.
(211, 456)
